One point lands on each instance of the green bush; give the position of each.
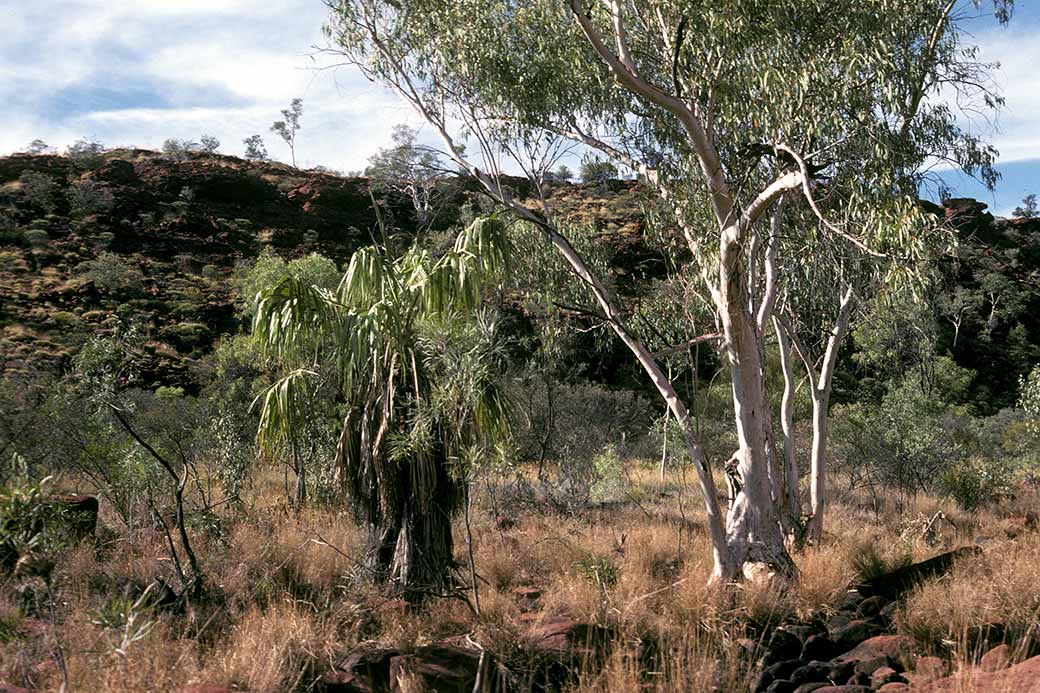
(40, 190)
(87, 197)
(610, 481)
(186, 336)
(975, 481)
(269, 269)
(36, 238)
(111, 273)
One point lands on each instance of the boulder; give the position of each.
(1019, 524)
(928, 669)
(884, 675)
(872, 606)
(819, 647)
(782, 645)
(444, 668)
(810, 687)
(894, 687)
(843, 689)
(364, 671)
(1021, 678)
(996, 659)
(778, 671)
(847, 637)
(565, 639)
(896, 648)
(810, 673)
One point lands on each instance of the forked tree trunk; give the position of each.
(821, 402)
(820, 387)
(753, 534)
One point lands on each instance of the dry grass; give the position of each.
(288, 601)
(986, 600)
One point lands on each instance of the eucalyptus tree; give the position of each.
(419, 367)
(722, 107)
(409, 168)
(289, 126)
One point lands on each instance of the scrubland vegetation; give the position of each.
(692, 431)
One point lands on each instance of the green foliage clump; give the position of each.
(112, 274)
(909, 438)
(40, 190)
(600, 570)
(312, 270)
(85, 152)
(36, 238)
(87, 197)
(1029, 399)
(186, 336)
(975, 481)
(596, 170)
(255, 148)
(611, 481)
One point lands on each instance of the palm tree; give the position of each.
(406, 343)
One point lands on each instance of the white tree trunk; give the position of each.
(821, 401)
(791, 515)
(753, 532)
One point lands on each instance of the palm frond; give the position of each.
(284, 408)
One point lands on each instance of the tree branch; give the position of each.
(679, 348)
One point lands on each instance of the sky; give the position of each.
(136, 72)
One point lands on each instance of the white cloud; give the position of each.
(1017, 51)
(247, 59)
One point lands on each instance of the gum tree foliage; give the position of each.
(209, 144)
(84, 151)
(255, 148)
(403, 341)
(38, 146)
(1028, 209)
(410, 168)
(722, 108)
(287, 128)
(596, 170)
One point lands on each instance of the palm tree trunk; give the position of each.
(423, 561)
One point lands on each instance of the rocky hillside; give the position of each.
(135, 236)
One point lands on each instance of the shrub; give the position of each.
(573, 422)
(1029, 399)
(610, 481)
(975, 481)
(40, 190)
(906, 441)
(596, 170)
(110, 272)
(36, 238)
(269, 269)
(178, 150)
(86, 152)
(186, 336)
(88, 197)
(209, 144)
